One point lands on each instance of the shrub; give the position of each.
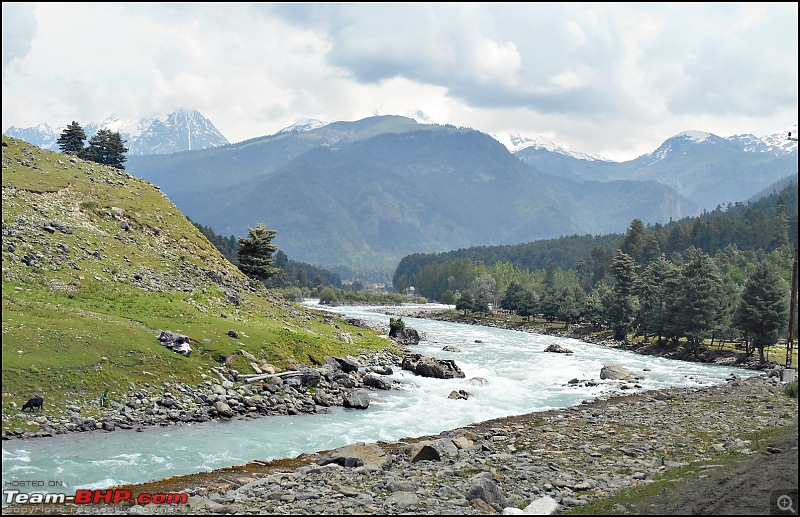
(791, 389)
(396, 324)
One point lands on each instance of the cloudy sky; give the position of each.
(616, 79)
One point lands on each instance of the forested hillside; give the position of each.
(725, 274)
(755, 225)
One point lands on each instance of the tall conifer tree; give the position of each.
(71, 140)
(255, 253)
(762, 311)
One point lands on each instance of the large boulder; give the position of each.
(618, 373)
(373, 381)
(558, 349)
(346, 364)
(432, 367)
(223, 409)
(175, 342)
(356, 399)
(309, 376)
(433, 450)
(405, 335)
(483, 487)
(356, 455)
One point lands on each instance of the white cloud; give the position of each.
(19, 30)
(609, 78)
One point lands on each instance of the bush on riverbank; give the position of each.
(791, 390)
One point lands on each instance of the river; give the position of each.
(521, 379)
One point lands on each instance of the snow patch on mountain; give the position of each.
(42, 135)
(181, 130)
(694, 136)
(421, 117)
(780, 143)
(304, 125)
(516, 143)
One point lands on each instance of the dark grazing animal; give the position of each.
(35, 402)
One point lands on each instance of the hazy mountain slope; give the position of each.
(376, 199)
(708, 169)
(201, 173)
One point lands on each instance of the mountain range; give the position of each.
(362, 194)
(708, 169)
(365, 193)
(181, 130)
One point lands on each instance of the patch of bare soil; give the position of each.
(745, 486)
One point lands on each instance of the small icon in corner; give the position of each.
(783, 502)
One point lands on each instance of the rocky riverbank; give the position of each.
(540, 462)
(225, 394)
(583, 332)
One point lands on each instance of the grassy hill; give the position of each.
(96, 262)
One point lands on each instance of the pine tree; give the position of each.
(255, 253)
(71, 140)
(465, 303)
(108, 148)
(762, 311)
(698, 301)
(780, 228)
(634, 241)
(656, 287)
(621, 306)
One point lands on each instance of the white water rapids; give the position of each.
(521, 379)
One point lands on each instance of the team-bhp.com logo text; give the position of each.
(84, 496)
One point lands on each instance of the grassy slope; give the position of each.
(77, 321)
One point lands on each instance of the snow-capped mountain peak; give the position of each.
(181, 130)
(779, 142)
(42, 135)
(421, 117)
(516, 143)
(130, 129)
(304, 125)
(694, 136)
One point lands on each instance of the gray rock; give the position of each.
(432, 367)
(458, 395)
(402, 499)
(614, 372)
(434, 450)
(345, 364)
(356, 399)
(356, 455)
(485, 489)
(376, 382)
(223, 409)
(558, 349)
